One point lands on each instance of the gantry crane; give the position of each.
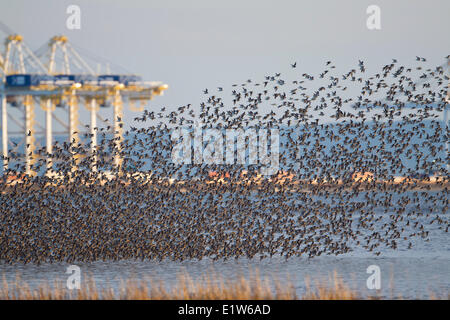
(73, 81)
(17, 57)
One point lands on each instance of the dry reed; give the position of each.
(210, 286)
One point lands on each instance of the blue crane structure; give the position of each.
(64, 83)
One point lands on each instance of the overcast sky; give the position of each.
(191, 45)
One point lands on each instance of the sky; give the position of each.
(193, 45)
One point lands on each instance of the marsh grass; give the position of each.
(209, 286)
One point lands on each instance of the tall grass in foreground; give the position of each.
(209, 287)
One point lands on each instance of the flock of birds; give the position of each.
(331, 125)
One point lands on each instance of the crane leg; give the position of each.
(94, 135)
(48, 133)
(4, 132)
(29, 134)
(118, 128)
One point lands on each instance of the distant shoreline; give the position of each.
(399, 183)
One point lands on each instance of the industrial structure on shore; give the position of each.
(64, 80)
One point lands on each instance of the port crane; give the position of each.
(63, 79)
